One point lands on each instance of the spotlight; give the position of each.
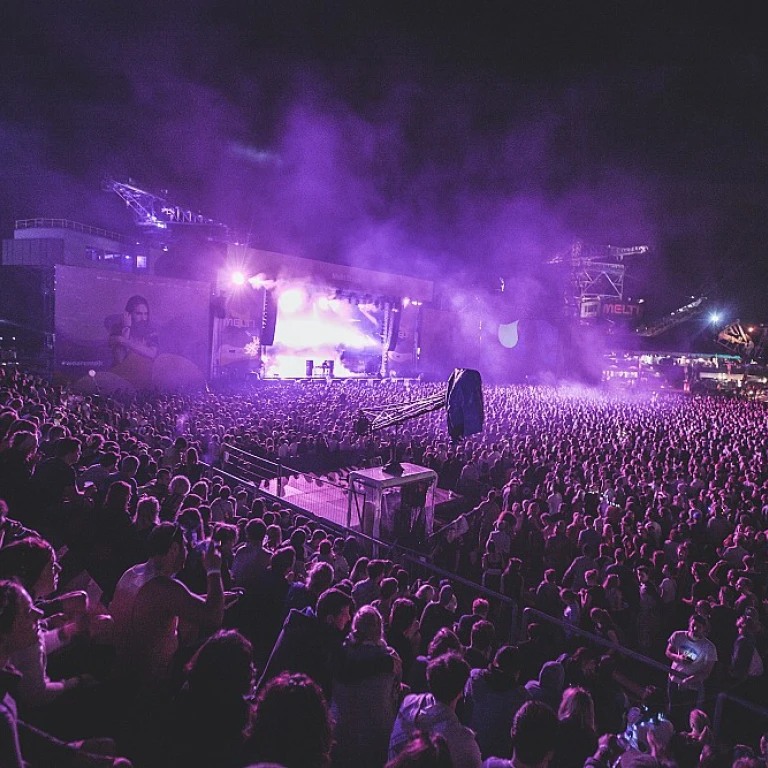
(406, 301)
(714, 317)
(238, 278)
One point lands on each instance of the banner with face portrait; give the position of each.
(117, 331)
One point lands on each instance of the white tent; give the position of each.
(393, 507)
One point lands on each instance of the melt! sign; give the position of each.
(620, 309)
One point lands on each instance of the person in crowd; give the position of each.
(251, 558)
(480, 648)
(575, 576)
(463, 627)
(33, 564)
(16, 466)
(549, 686)
(659, 737)
(437, 615)
(423, 750)
(212, 712)
(435, 712)
(171, 504)
(746, 664)
(403, 632)
(577, 737)
(21, 744)
(305, 594)
(291, 725)
(310, 640)
(365, 697)
(693, 658)
(149, 602)
(387, 596)
(222, 507)
(367, 589)
(534, 738)
(492, 697)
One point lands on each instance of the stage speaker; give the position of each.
(393, 329)
(309, 367)
(219, 307)
(269, 319)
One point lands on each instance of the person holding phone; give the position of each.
(693, 657)
(149, 603)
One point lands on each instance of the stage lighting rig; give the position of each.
(462, 401)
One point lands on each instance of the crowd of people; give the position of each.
(153, 608)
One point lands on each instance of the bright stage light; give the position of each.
(714, 317)
(292, 300)
(323, 304)
(238, 278)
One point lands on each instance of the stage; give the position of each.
(328, 500)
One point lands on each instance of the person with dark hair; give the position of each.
(19, 742)
(367, 590)
(311, 640)
(305, 594)
(463, 627)
(435, 712)
(387, 596)
(746, 665)
(213, 711)
(481, 638)
(193, 470)
(291, 726)
(534, 738)
(423, 750)
(149, 602)
(54, 482)
(107, 543)
(445, 640)
(574, 576)
(549, 686)
(32, 563)
(492, 696)
(403, 632)
(693, 658)
(437, 615)
(134, 344)
(16, 464)
(251, 559)
(261, 611)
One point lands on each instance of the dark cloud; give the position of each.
(439, 140)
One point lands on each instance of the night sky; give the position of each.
(472, 140)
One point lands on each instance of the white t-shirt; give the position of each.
(701, 655)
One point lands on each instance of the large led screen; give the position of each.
(126, 332)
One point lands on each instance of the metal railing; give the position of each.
(634, 671)
(739, 721)
(75, 226)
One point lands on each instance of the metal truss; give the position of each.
(687, 312)
(155, 212)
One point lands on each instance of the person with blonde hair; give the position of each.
(577, 738)
(366, 693)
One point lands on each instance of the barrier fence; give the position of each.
(642, 679)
